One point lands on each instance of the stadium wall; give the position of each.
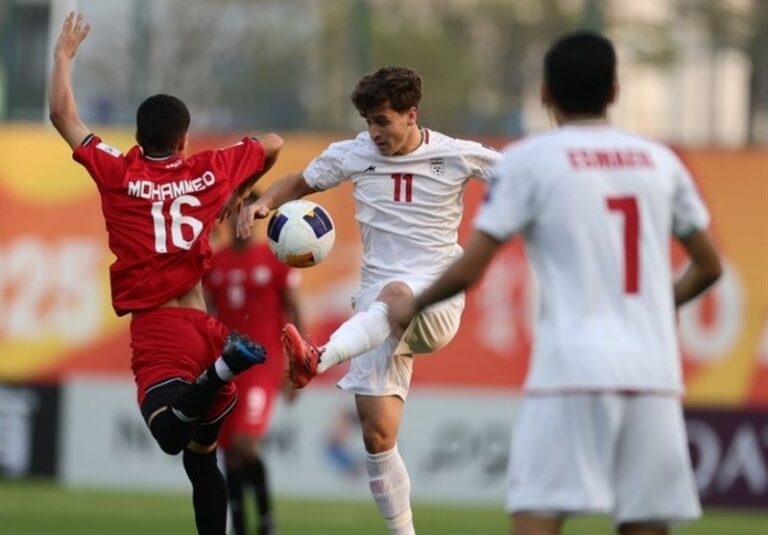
(57, 329)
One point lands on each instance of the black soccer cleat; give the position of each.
(240, 352)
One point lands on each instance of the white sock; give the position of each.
(359, 334)
(222, 370)
(391, 488)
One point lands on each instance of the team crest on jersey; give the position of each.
(437, 165)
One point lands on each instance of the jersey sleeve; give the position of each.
(327, 170)
(105, 164)
(511, 199)
(689, 212)
(480, 159)
(240, 161)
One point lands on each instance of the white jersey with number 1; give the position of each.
(408, 207)
(596, 207)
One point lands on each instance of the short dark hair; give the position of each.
(580, 70)
(399, 86)
(161, 121)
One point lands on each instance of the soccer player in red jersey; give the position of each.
(253, 293)
(159, 207)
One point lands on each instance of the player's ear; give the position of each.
(412, 115)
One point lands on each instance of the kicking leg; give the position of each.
(363, 331)
(387, 476)
(356, 336)
(173, 409)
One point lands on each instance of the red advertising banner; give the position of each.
(55, 316)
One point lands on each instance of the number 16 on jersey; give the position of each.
(177, 222)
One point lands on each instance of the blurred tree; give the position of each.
(476, 57)
(758, 82)
(23, 39)
(742, 26)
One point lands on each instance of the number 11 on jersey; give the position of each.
(399, 179)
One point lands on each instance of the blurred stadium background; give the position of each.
(74, 454)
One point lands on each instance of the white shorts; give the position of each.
(625, 455)
(386, 370)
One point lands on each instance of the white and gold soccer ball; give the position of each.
(301, 233)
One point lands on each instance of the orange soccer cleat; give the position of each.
(303, 356)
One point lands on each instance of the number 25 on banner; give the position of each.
(51, 289)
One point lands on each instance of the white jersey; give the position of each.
(408, 207)
(596, 207)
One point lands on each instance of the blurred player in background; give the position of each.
(253, 293)
(159, 207)
(408, 184)
(601, 426)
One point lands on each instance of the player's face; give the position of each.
(391, 130)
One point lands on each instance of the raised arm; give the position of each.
(703, 270)
(287, 188)
(61, 99)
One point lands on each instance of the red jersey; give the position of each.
(247, 288)
(159, 213)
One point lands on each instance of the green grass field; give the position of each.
(43, 508)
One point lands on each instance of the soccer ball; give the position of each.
(301, 233)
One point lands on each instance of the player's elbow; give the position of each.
(60, 117)
(712, 271)
(272, 143)
(57, 117)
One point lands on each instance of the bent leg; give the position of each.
(387, 476)
(363, 331)
(174, 409)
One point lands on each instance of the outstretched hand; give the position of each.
(257, 210)
(72, 34)
(233, 206)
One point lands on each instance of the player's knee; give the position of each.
(378, 439)
(166, 436)
(169, 445)
(394, 291)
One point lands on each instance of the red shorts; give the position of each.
(252, 414)
(178, 343)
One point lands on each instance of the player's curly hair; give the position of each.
(161, 121)
(400, 86)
